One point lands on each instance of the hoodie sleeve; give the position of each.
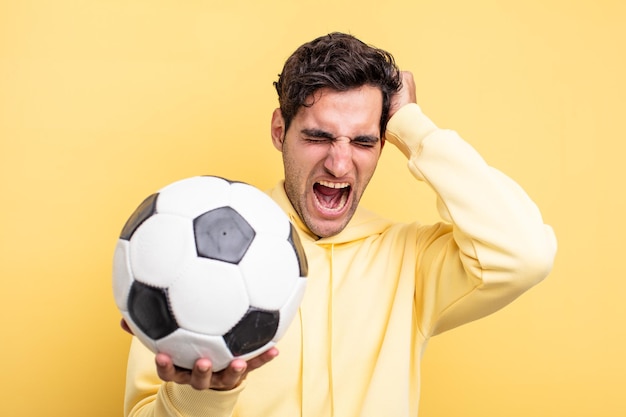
(498, 246)
(148, 396)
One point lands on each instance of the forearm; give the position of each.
(502, 240)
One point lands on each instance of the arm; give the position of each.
(498, 247)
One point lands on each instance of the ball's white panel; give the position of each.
(257, 352)
(290, 309)
(122, 275)
(193, 196)
(270, 270)
(263, 214)
(144, 338)
(210, 297)
(160, 248)
(185, 348)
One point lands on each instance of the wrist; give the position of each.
(407, 129)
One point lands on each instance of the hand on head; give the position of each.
(406, 95)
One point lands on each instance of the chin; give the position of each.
(328, 230)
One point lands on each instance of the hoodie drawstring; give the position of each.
(331, 387)
(329, 347)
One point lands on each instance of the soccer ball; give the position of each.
(208, 267)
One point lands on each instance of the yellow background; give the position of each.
(103, 102)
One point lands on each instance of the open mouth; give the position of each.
(331, 196)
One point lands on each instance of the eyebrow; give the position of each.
(319, 133)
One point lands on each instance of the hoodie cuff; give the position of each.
(407, 129)
(193, 403)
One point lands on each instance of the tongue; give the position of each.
(330, 197)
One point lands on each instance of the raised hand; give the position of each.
(406, 95)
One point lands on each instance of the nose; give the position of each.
(339, 158)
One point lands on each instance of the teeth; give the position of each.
(334, 184)
(340, 205)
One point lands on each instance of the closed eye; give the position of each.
(316, 135)
(365, 141)
(321, 136)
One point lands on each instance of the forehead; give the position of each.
(341, 112)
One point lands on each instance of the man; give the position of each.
(377, 290)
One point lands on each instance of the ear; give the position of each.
(278, 129)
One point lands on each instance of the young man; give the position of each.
(377, 290)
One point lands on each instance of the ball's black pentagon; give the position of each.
(294, 240)
(146, 209)
(150, 310)
(254, 330)
(222, 234)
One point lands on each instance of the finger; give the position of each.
(168, 372)
(407, 77)
(231, 377)
(125, 326)
(408, 87)
(405, 95)
(262, 359)
(412, 87)
(201, 374)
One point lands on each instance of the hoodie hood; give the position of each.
(363, 224)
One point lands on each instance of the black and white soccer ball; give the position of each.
(210, 268)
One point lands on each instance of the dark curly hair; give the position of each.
(340, 62)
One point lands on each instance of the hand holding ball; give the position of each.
(209, 268)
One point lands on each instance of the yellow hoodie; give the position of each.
(378, 290)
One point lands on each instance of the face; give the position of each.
(330, 152)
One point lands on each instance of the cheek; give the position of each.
(366, 164)
(294, 170)
(300, 162)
